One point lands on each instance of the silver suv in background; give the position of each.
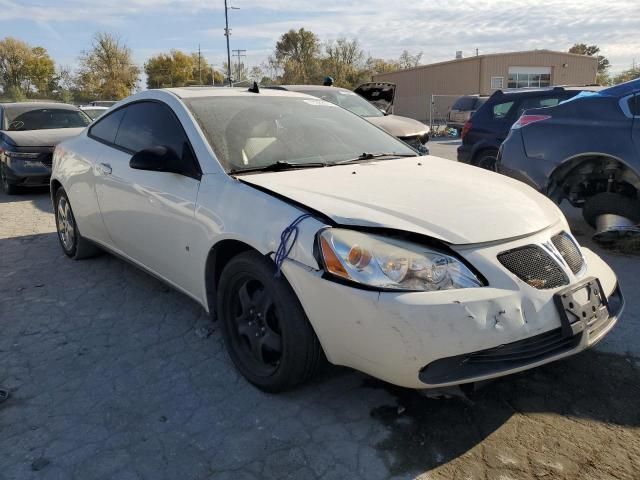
(462, 110)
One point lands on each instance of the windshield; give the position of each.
(349, 100)
(256, 131)
(44, 119)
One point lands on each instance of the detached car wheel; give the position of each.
(612, 204)
(8, 187)
(73, 244)
(265, 329)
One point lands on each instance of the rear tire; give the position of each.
(8, 187)
(73, 244)
(610, 203)
(265, 329)
(487, 159)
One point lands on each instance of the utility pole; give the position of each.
(238, 53)
(227, 32)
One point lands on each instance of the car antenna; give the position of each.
(255, 88)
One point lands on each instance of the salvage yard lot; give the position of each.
(114, 375)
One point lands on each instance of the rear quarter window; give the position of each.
(501, 110)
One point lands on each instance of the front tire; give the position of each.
(73, 244)
(265, 329)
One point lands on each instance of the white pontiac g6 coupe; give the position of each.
(312, 233)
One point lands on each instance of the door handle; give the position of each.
(104, 169)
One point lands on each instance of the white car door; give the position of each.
(150, 214)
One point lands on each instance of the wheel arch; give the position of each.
(54, 186)
(587, 168)
(218, 257)
(481, 150)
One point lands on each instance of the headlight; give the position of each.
(387, 263)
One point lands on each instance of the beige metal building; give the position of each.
(483, 75)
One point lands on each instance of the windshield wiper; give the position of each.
(371, 156)
(279, 166)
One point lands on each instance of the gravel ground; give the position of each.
(115, 376)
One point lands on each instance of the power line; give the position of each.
(238, 54)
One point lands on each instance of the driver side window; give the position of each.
(150, 124)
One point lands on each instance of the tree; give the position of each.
(256, 74)
(66, 83)
(273, 68)
(298, 52)
(343, 61)
(407, 60)
(379, 65)
(591, 51)
(107, 70)
(41, 71)
(15, 58)
(627, 75)
(25, 70)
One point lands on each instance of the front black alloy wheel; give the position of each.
(266, 331)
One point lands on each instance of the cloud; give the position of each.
(383, 29)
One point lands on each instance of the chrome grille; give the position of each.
(535, 266)
(569, 250)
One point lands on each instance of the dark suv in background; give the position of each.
(586, 150)
(462, 110)
(489, 126)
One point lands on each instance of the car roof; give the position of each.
(309, 88)
(200, 92)
(26, 106)
(545, 90)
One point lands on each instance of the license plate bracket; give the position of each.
(581, 304)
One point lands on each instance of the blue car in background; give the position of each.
(585, 150)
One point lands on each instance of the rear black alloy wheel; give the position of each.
(267, 334)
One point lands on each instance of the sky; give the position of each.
(384, 28)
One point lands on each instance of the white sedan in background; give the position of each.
(312, 233)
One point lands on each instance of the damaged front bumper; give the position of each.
(436, 339)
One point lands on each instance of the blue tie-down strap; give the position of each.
(288, 239)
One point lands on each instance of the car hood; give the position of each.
(453, 202)
(380, 94)
(41, 138)
(399, 126)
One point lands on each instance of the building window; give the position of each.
(497, 83)
(529, 77)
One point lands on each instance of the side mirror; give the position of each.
(157, 159)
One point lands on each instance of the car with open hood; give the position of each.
(309, 233)
(410, 131)
(29, 131)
